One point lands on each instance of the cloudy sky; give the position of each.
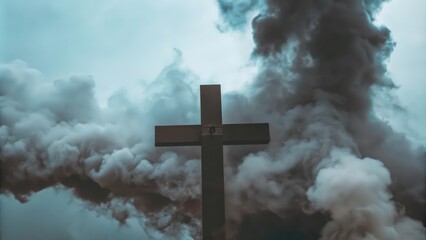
(124, 45)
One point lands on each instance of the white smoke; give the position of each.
(356, 193)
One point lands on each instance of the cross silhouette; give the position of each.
(212, 135)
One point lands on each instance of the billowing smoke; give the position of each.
(56, 135)
(333, 169)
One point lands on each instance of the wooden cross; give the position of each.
(212, 135)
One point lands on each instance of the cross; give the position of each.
(212, 135)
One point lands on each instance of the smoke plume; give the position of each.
(350, 175)
(333, 169)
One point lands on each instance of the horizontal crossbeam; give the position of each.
(233, 134)
(250, 133)
(178, 135)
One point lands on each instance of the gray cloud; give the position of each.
(56, 134)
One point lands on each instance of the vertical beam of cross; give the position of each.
(212, 183)
(212, 135)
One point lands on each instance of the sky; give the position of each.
(124, 45)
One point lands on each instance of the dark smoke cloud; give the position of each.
(321, 62)
(333, 170)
